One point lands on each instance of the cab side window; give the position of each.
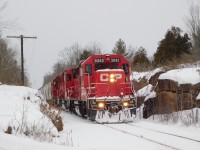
(75, 73)
(54, 83)
(69, 78)
(125, 68)
(88, 69)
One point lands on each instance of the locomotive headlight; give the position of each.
(125, 104)
(101, 105)
(112, 78)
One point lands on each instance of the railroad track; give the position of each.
(164, 133)
(148, 136)
(163, 138)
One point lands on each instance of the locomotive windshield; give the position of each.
(106, 66)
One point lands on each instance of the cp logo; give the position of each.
(105, 76)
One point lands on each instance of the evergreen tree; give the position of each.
(140, 59)
(85, 54)
(172, 46)
(120, 47)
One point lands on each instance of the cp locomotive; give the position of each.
(99, 88)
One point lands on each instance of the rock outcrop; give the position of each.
(170, 96)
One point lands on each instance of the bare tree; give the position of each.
(130, 53)
(70, 56)
(193, 24)
(9, 68)
(94, 48)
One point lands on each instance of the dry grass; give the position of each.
(172, 64)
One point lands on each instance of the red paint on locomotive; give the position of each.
(99, 78)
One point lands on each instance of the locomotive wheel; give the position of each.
(72, 107)
(91, 113)
(82, 108)
(67, 105)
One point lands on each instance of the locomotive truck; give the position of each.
(99, 88)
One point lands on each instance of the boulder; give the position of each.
(186, 88)
(140, 101)
(196, 89)
(9, 130)
(197, 101)
(154, 79)
(165, 102)
(139, 85)
(185, 101)
(148, 109)
(166, 85)
(58, 123)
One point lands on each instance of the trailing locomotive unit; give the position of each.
(98, 88)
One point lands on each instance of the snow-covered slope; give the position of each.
(20, 109)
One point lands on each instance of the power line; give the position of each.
(22, 53)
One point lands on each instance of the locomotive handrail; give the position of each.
(68, 93)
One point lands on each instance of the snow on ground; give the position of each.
(79, 133)
(17, 103)
(183, 76)
(144, 91)
(10, 142)
(19, 108)
(86, 134)
(137, 76)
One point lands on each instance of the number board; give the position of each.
(114, 60)
(99, 60)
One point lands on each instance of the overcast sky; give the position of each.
(61, 23)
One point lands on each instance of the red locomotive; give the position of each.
(99, 88)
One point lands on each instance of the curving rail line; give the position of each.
(139, 132)
(165, 133)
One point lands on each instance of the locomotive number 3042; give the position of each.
(98, 60)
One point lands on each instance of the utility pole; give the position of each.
(22, 53)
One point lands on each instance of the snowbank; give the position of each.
(183, 76)
(10, 142)
(137, 76)
(19, 108)
(144, 91)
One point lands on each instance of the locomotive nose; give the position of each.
(110, 82)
